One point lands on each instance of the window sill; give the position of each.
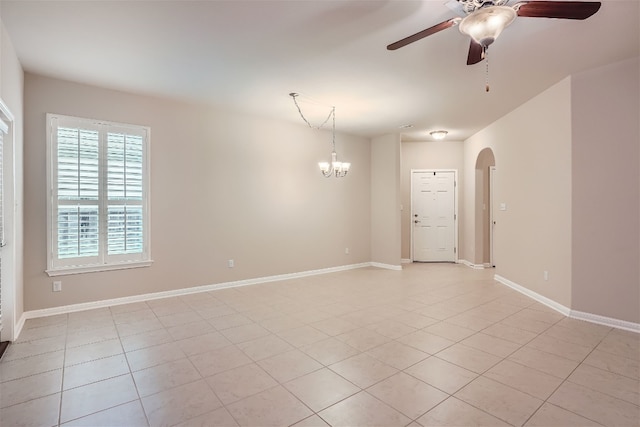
(96, 268)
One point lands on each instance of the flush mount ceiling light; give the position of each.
(438, 134)
(333, 167)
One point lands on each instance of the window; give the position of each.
(98, 210)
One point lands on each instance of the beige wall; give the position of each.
(532, 148)
(606, 191)
(11, 93)
(223, 186)
(385, 200)
(425, 155)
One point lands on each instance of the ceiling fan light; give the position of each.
(438, 134)
(485, 25)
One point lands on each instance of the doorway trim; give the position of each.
(8, 271)
(456, 217)
(492, 221)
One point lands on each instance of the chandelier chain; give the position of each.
(331, 113)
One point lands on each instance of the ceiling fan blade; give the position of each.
(557, 9)
(424, 33)
(476, 53)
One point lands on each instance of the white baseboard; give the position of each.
(470, 264)
(386, 266)
(579, 315)
(178, 292)
(18, 327)
(607, 321)
(594, 318)
(406, 261)
(534, 295)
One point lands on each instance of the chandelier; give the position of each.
(333, 167)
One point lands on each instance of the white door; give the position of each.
(433, 216)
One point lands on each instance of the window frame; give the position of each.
(103, 261)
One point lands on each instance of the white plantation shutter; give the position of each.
(99, 202)
(78, 156)
(125, 188)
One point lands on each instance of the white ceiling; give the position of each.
(249, 55)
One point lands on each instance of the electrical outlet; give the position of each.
(546, 275)
(57, 286)
(231, 263)
(346, 251)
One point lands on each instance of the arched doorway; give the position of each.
(485, 166)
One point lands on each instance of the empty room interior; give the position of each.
(320, 213)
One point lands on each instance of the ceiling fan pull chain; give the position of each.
(486, 59)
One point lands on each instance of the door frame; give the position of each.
(9, 268)
(455, 208)
(492, 223)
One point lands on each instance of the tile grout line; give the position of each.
(566, 379)
(64, 362)
(479, 375)
(124, 354)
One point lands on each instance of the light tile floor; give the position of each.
(433, 344)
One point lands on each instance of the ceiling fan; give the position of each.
(484, 20)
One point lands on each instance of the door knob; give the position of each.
(416, 221)
(416, 215)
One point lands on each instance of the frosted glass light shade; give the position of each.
(485, 25)
(438, 134)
